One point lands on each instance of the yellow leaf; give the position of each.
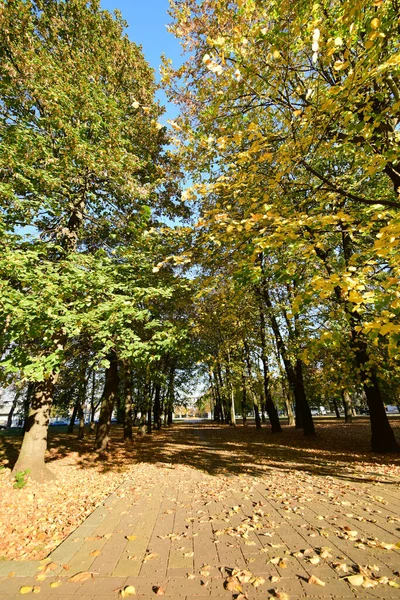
(131, 538)
(128, 590)
(355, 580)
(55, 584)
(315, 581)
(26, 589)
(375, 23)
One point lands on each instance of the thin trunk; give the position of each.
(128, 406)
(81, 417)
(348, 407)
(170, 397)
(93, 406)
(157, 406)
(244, 399)
(263, 417)
(231, 413)
(142, 423)
(289, 410)
(301, 400)
(11, 413)
(287, 398)
(73, 417)
(294, 373)
(149, 418)
(336, 408)
(250, 380)
(224, 405)
(269, 404)
(107, 404)
(34, 444)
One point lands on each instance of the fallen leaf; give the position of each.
(150, 556)
(314, 560)
(281, 595)
(158, 590)
(131, 538)
(355, 580)
(315, 581)
(257, 581)
(95, 553)
(232, 585)
(369, 583)
(282, 564)
(128, 590)
(26, 589)
(80, 577)
(55, 584)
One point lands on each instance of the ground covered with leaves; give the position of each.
(312, 508)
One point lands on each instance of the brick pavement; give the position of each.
(186, 531)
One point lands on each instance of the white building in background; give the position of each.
(7, 397)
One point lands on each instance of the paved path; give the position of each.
(191, 533)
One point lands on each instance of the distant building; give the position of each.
(7, 397)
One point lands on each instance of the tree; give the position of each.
(289, 119)
(81, 157)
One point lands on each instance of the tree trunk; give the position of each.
(289, 409)
(382, 435)
(128, 406)
(149, 423)
(81, 417)
(348, 407)
(301, 400)
(107, 404)
(73, 417)
(11, 413)
(157, 406)
(244, 398)
(336, 408)
(34, 444)
(263, 418)
(169, 416)
(142, 424)
(269, 404)
(294, 373)
(231, 412)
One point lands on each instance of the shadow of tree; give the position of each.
(339, 450)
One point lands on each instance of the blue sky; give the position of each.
(147, 20)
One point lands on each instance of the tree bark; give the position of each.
(128, 436)
(149, 418)
(73, 417)
(269, 404)
(294, 373)
(244, 400)
(348, 407)
(382, 436)
(336, 408)
(107, 404)
(11, 413)
(157, 406)
(34, 444)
